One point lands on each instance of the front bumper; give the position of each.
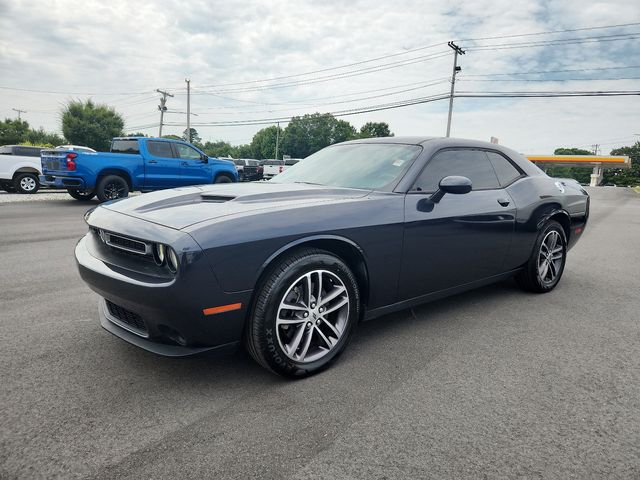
(169, 310)
(56, 181)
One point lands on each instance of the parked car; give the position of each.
(75, 148)
(248, 169)
(271, 167)
(358, 230)
(134, 163)
(19, 168)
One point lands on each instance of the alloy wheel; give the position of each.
(113, 190)
(312, 316)
(28, 184)
(550, 257)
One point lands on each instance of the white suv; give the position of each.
(20, 168)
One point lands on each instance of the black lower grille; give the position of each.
(126, 316)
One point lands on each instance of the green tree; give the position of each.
(195, 137)
(139, 134)
(219, 148)
(91, 125)
(242, 151)
(263, 144)
(581, 174)
(13, 132)
(172, 137)
(310, 133)
(627, 178)
(375, 129)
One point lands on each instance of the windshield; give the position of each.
(372, 166)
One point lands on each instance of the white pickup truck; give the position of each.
(19, 168)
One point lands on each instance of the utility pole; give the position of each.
(277, 138)
(456, 50)
(188, 109)
(162, 107)
(595, 147)
(19, 111)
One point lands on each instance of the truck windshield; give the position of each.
(125, 146)
(373, 166)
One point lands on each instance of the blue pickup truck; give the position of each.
(134, 163)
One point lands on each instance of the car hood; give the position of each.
(180, 208)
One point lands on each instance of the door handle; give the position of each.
(152, 161)
(504, 202)
(184, 164)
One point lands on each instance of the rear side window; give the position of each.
(473, 164)
(505, 170)
(125, 146)
(160, 149)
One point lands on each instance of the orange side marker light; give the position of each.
(222, 309)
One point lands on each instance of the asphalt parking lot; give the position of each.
(494, 383)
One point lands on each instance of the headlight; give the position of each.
(173, 260)
(160, 253)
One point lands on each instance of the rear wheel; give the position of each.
(26, 183)
(545, 266)
(112, 187)
(222, 178)
(82, 195)
(304, 315)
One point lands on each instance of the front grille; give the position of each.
(128, 317)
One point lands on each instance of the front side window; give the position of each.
(473, 164)
(160, 149)
(187, 153)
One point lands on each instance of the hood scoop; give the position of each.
(213, 198)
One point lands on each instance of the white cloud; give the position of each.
(135, 47)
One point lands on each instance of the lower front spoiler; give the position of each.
(156, 347)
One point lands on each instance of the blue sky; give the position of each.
(120, 52)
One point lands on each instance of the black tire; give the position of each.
(241, 177)
(534, 277)
(7, 187)
(26, 183)
(112, 187)
(82, 195)
(263, 336)
(223, 178)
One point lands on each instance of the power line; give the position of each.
(433, 98)
(550, 43)
(538, 72)
(53, 92)
(549, 32)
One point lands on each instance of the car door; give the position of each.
(194, 170)
(463, 237)
(162, 168)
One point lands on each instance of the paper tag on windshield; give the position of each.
(398, 163)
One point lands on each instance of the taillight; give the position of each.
(71, 164)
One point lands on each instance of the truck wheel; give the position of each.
(222, 178)
(26, 183)
(112, 187)
(82, 195)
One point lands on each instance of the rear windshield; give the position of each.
(273, 162)
(125, 146)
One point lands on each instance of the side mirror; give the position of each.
(204, 158)
(452, 184)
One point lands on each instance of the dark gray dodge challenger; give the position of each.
(360, 229)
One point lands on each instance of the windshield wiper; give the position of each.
(309, 183)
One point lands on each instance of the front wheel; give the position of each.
(82, 195)
(304, 315)
(26, 183)
(222, 178)
(545, 266)
(112, 187)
